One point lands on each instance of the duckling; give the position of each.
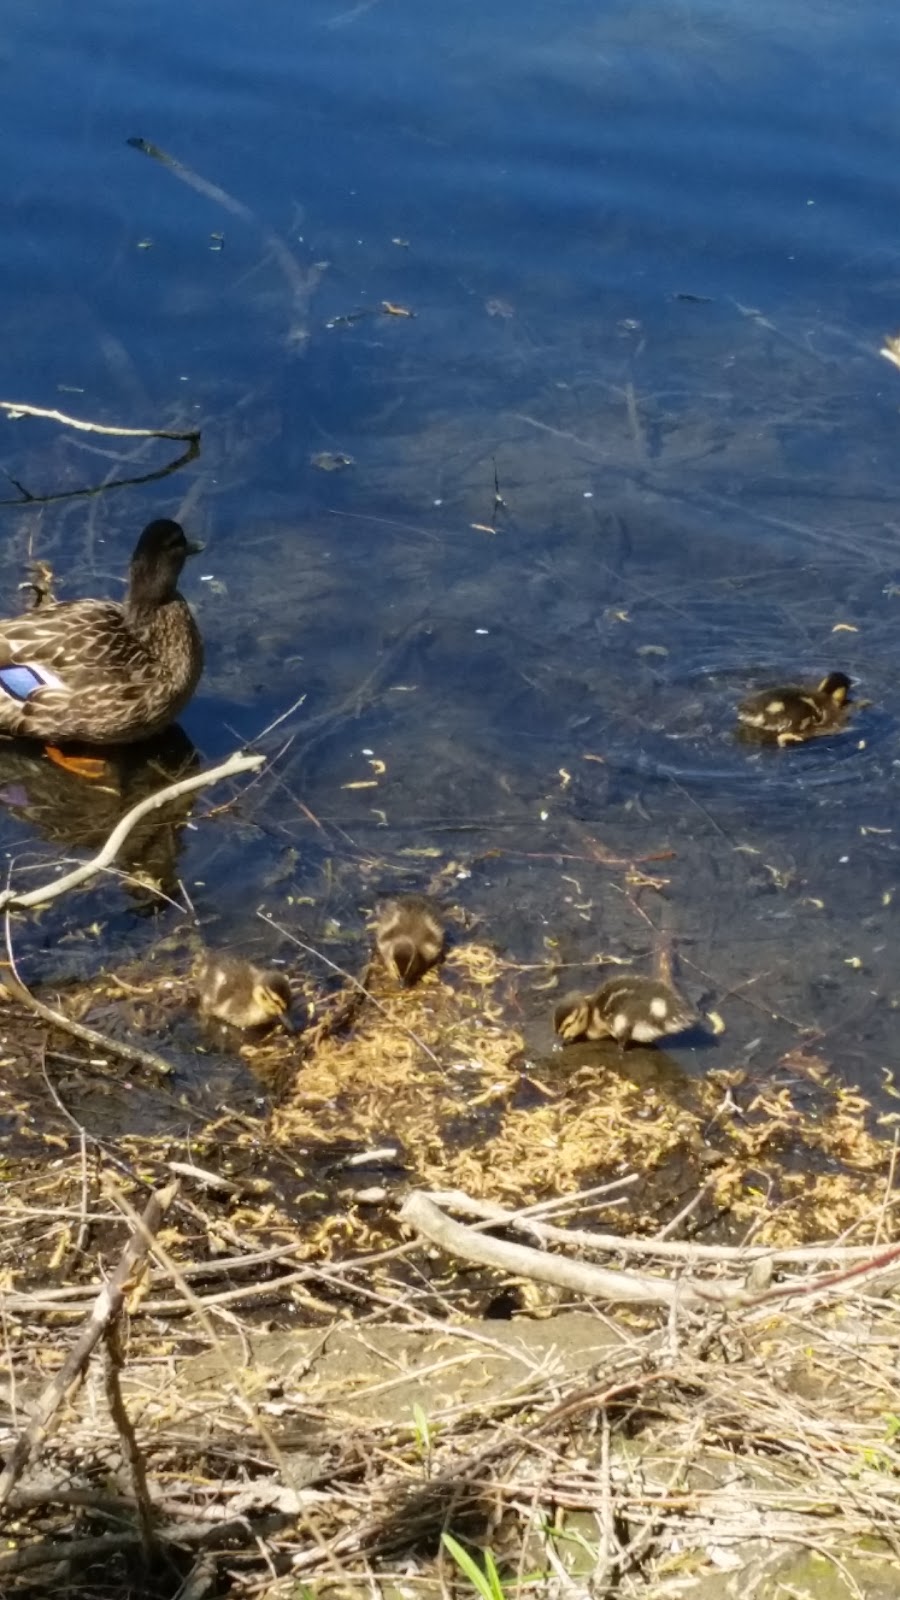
(629, 1009)
(409, 936)
(234, 991)
(797, 712)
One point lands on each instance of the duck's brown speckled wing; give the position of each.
(114, 684)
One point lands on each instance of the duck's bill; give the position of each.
(195, 546)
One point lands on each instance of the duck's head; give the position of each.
(271, 996)
(837, 687)
(572, 1017)
(158, 559)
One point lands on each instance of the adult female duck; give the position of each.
(100, 671)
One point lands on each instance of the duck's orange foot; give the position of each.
(93, 768)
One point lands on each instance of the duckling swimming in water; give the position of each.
(236, 992)
(630, 1009)
(409, 936)
(797, 712)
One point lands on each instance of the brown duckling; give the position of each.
(236, 992)
(629, 1009)
(796, 712)
(409, 936)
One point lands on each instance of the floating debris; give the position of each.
(331, 461)
(346, 318)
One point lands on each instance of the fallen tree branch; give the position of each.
(14, 410)
(677, 1250)
(105, 1309)
(131, 1450)
(422, 1214)
(76, 1030)
(240, 762)
(55, 1551)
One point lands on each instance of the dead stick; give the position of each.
(14, 409)
(77, 1030)
(55, 1551)
(420, 1213)
(741, 1256)
(107, 1306)
(89, 869)
(131, 1450)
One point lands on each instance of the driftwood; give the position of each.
(240, 762)
(689, 1252)
(104, 1312)
(521, 1260)
(77, 1030)
(420, 1212)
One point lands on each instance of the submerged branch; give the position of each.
(91, 490)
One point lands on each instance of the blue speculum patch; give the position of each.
(23, 682)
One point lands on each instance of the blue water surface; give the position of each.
(634, 452)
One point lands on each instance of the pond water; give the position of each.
(631, 452)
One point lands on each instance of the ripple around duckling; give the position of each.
(695, 740)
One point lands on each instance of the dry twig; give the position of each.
(240, 762)
(106, 1307)
(16, 409)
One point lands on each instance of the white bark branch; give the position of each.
(595, 1282)
(15, 410)
(740, 1256)
(89, 869)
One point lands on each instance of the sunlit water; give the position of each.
(651, 256)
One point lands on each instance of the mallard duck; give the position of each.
(796, 712)
(409, 936)
(236, 992)
(630, 1009)
(100, 671)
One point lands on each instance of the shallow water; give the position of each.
(651, 257)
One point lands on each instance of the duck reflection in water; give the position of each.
(74, 810)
